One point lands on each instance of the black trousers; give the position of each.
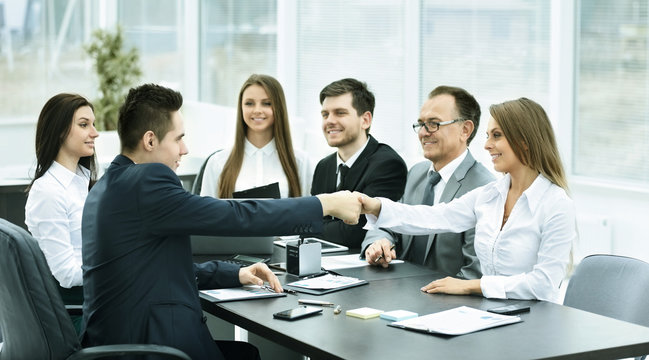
(238, 350)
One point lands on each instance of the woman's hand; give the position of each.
(449, 285)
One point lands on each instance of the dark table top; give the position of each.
(547, 331)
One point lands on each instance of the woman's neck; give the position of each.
(259, 140)
(521, 179)
(69, 162)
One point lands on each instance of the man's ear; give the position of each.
(467, 129)
(366, 120)
(149, 141)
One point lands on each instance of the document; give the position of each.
(457, 321)
(347, 261)
(325, 284)
(241, 293)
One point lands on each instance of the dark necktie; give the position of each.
(417, 252)
(342, 169)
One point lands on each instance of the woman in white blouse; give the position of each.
(263, 151)
(65, 170)
(524, 222)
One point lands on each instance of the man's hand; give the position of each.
(256, 274)
(343, 205)
(380, 252)
(370, 205)
(449, 285)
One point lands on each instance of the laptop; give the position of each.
(231, 245)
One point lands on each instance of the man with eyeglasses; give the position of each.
(447, 123)
(360, 162)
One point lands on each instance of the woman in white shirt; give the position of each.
(65, 170)
(263, 150)
(524, 222)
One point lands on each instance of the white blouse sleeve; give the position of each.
(213, 170)
(46, 217)
(456, 216)
(558, 232)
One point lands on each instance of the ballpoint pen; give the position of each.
(288, 291)
(315, 302)
(381, 256)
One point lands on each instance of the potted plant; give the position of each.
(117, 69)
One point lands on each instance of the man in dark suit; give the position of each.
(447, 123)
(360, 163)
(140, 285)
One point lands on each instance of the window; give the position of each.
(41, 54)
(611, 138)
(238, 38)
(156, 29)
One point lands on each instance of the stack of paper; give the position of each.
(398, 315)
(458, 321)
(364, 313)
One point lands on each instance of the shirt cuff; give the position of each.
(493, 287)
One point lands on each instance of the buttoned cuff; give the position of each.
(493, 287)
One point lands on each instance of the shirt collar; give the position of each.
(447, 171)
(533, 194)
(250, 149)
(353, 158)
(65, 177)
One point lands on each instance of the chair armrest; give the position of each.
(97, 352)
(74, 309)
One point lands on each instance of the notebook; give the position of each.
(270, 191)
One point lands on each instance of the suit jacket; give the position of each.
(140, 285)
(453, 254)
(378, 171)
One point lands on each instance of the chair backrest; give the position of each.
(613, 286)
(198, 181)
(33, 319)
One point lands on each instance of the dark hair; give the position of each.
(362, 97)
(146, 107)
(467, 106)
(53, 127)
(281, 134)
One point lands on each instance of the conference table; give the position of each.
(548, 331)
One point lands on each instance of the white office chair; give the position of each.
(613, 286)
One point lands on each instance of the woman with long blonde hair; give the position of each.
(263, 150)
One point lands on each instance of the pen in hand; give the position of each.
(378, 258)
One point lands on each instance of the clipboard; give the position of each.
(325, 284)
(246, 292)
(270, 191)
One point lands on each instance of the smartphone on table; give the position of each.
(511, 309)
(297, 313)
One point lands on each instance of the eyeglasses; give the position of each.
(432, 126)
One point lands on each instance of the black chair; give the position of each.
(613, 286)
(33, 320)
(198, 181)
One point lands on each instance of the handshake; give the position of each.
(348, 206)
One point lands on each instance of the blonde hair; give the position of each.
(528, 130)
(281, 134)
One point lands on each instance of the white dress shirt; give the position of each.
(445, 174)
(260, 167)
(350, 162)
(527, 259)
(53, 216)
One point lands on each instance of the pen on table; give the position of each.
(315, 302)
(381, 256)
(288, 291)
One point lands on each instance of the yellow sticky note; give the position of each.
(364, 313)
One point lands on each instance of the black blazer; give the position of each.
(378, 171)
(140, 285)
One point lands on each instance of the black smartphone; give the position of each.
(510, 309)
(297, 313)
(245, 260)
